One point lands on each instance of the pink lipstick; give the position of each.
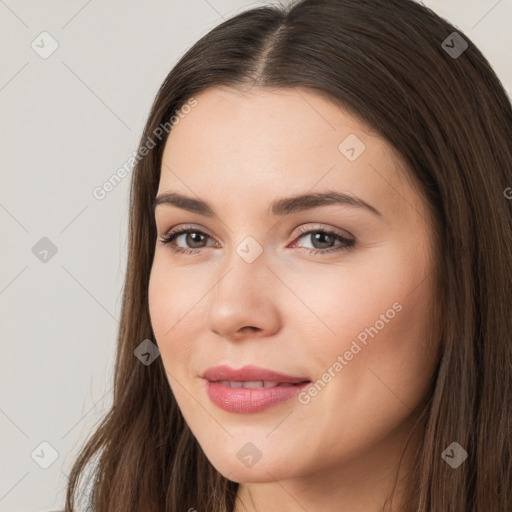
(250, 389)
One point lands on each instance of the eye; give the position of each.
(191, 236)
(195, 239)
(323, 239)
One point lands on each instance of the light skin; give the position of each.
(290, 310)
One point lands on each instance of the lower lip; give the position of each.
(246, 400)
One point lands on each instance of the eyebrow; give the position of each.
(282, 206)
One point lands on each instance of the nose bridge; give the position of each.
(242, 295)
(244, 272)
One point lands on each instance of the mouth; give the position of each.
(250, 389)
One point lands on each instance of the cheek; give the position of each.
(172, 293)
(340, 302)
(376, 316)
(401, 357)
(175, 314)
(380, 354)
(374, 371)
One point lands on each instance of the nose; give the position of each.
(243, 302)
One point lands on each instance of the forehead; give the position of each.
(239, 120)
(247, 143)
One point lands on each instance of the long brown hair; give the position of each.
(398, 66)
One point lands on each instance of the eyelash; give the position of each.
(169, 237)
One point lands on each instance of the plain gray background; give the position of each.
(68, 122)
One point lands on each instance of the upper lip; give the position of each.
(249, 373)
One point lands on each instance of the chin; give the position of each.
(252, 475)
(261, 472)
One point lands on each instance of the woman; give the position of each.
(322, 215)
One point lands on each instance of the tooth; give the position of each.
(253, 384)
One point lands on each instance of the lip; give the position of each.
(247, 373)
(250, 400)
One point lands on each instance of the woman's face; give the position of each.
(353, 318)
